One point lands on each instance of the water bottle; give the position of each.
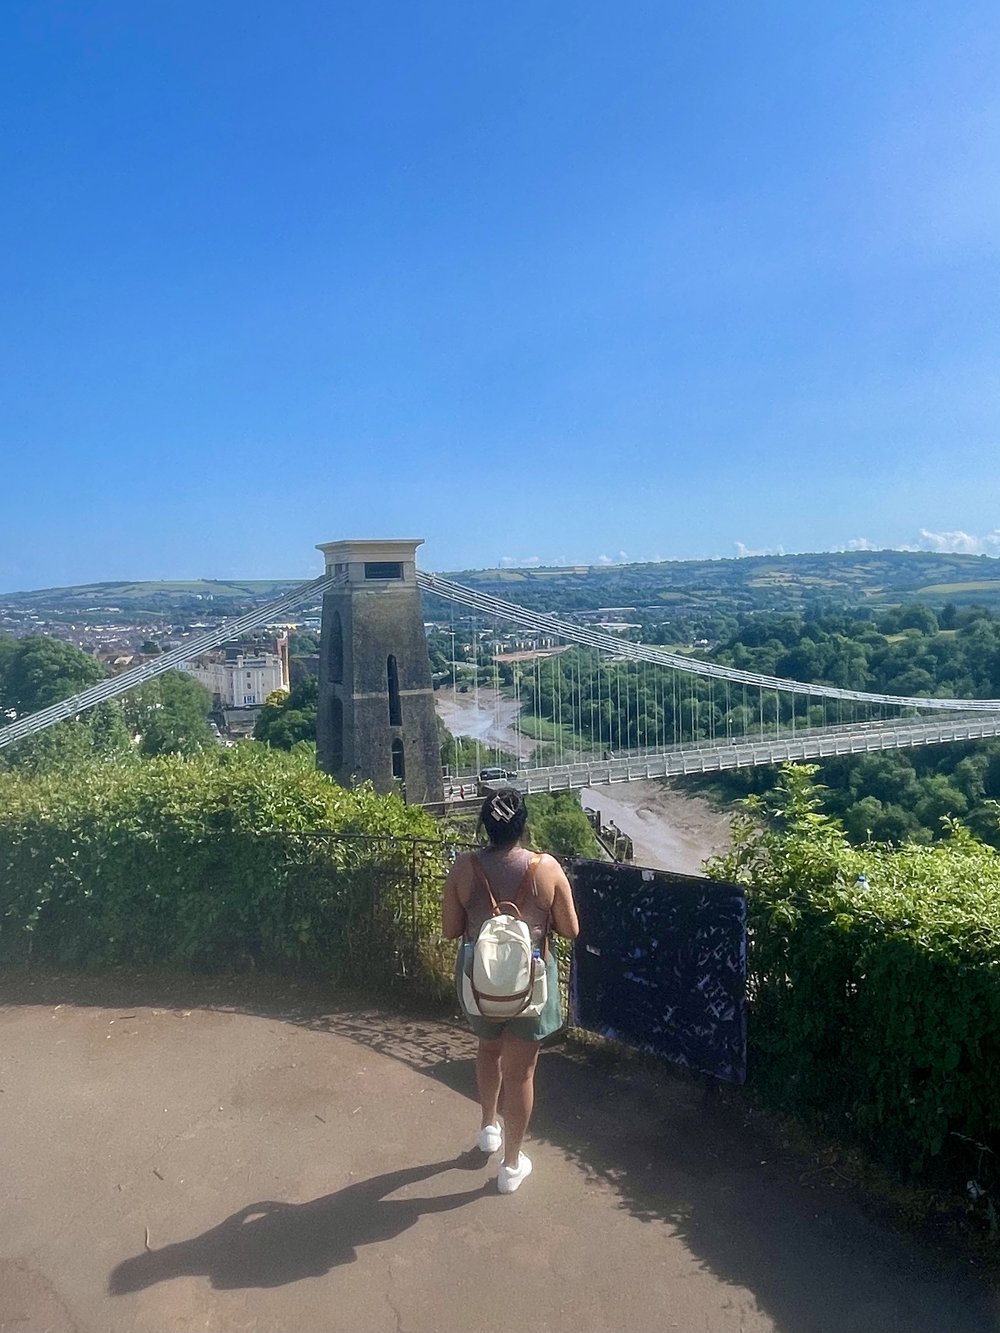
(539, 986)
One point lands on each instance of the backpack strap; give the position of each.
(527, 883)
(526, 886)
(480, 874)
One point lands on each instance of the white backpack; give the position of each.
(501, 977)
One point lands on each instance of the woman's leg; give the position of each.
(517, 1064)
(488, 1077)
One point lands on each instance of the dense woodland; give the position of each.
(886, 796)
(892, 795)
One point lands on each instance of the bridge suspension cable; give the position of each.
(623, 648)
(129, 680)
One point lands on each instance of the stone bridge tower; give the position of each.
(376, 717)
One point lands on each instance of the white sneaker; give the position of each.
(509, 1178)
(490, 1139)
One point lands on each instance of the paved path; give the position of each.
(300, 1166)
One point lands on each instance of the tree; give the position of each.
(36, 672)
(558, 825)
(301, 643)
(170, 715)
(289, 717)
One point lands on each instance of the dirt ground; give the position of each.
(251, 1155)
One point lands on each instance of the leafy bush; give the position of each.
(874, 978)
(289, 718)
(226, 858)
(558, 825)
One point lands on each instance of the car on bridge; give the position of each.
(496, 774)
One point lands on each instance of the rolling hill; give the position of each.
(787, 582)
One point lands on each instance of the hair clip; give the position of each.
(501, 809)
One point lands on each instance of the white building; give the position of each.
(242, 680)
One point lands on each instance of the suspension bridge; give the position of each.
(575, 706)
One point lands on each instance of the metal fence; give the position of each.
(661, 964)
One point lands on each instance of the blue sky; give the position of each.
(547, 282)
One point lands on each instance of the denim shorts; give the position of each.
(529, 1028)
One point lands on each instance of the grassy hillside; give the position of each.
(788, 582)
(211, 597)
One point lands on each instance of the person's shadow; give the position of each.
(267, 1244)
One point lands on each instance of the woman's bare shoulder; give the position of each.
(549, 869)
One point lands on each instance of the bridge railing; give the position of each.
(706, 757)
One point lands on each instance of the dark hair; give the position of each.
(504, 816)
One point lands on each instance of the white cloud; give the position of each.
(519, 562)
(742, 551)
(959, 543)
(859, 544)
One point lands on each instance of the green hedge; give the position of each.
(229, 858)
(875, 1007)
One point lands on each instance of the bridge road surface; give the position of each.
(301, 1166)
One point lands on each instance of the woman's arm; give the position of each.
(564, 917)
(452, 911)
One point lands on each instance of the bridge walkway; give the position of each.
(250, 1156)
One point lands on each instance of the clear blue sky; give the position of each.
(550, 281)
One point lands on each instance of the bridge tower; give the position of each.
(376, 717)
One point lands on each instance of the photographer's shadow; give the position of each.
(268, 1244)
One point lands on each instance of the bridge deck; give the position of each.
(298, 1166)
(747, 752)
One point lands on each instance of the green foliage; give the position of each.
(875, 1002)
(36, 672)
(891, 796)
(287, 719)
(170, 715)
(225, 858)
(99, 734)
(557, 825)
(302, 643)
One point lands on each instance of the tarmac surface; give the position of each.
(255, 1155)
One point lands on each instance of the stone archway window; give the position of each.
(398, 761)
(392, 683)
